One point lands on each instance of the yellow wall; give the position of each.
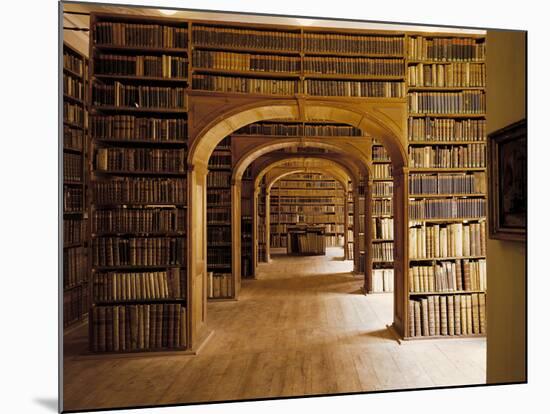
(506, 304)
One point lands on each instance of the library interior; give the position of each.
(261, 206)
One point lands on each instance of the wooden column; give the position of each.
(267, 226)
(368, 236)
(401, 250)
(236, 235)
(255, 232)
(346, 221)
(356, 244)
(196, 252)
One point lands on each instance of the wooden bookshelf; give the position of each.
(138, 171)
(221, 284)
(312, 199)
(267, 61)
(75, 153)
(447, 153)
(381, 224)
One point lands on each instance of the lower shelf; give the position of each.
(414, 338)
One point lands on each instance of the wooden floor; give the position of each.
(302, 328)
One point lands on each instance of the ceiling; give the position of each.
(80, 39)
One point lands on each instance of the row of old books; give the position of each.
(306, 241)
(138, 327)
(72, 167)
(218, 179)
(140, 190)
(164, 66)
(287, 199)
(140, 160)
(464, 156)
(297, 129)
(219, 257)
(446, 49)
(307, 209)
(245, 85)
(353, 43)
(334, 240)
(74, 113)
(75, 304)
(382, 171)
(382, 280)
(447, 240)
(138, 220)
(245, 38)
(382, 207)
(125, 286)
(72, 62)
(460, 275)
(447, 315)
(73, 138)
(282, 191)
(363, 89)
(320, 219)
(288, 218)
(464, 102)
(219, 285)
(141, 96)
(353, 66)
(138, 251)
(282, 227)
(306, 184)
(245, 61)
(73, 199)
(474, 183)
(382, 189)
(278, 240)
(218, 235)
(73, 87)
(74, 230)
(220, 215)
(379, 154)
(220, 160)
(217, 196)
(447, 209)
(139, 35)
(130, 128)
(382, 228)
(75, 266)
(446, 75)
(382, 251)
(430, 129)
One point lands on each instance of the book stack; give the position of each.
(218, 219)
(313, 199)
(447, 186)
(447, 315)
(306, 240)
(75, 154)
(219, 285)
(139, 190)
(382, 280)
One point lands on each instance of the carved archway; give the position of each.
(213, 118)
(319, 162)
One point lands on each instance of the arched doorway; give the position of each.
(214, 119)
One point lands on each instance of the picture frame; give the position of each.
(507, 158)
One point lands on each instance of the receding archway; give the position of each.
(279, 173)
(304, 163)
(212, 120)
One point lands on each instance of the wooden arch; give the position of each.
(316, 163)
(212, 118)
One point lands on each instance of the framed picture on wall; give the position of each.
(508, 182)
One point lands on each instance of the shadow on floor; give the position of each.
(49, 403)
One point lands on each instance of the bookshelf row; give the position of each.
(75, 156)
